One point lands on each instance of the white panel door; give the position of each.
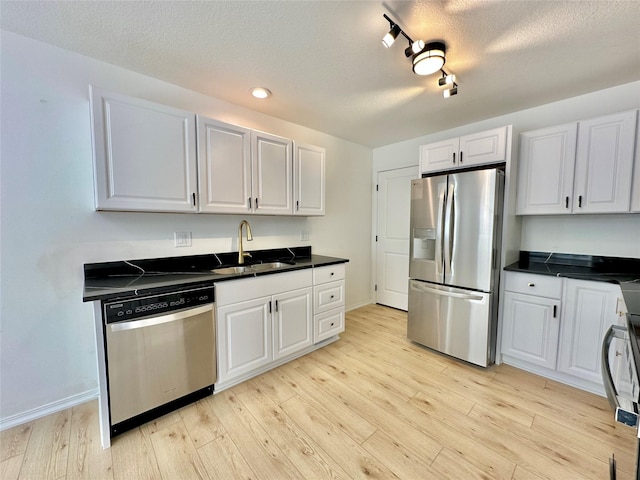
(272, 174)
(604, 164)
(392, 247)
(292, 322)
(224, 167)
(144, 155)
(589, 310)
(545, 173)
(309, 180)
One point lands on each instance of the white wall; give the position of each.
(611, 235)
(49, 228)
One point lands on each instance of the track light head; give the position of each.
(414, 47)
(450, 92)
(446, 80)
(391, 36)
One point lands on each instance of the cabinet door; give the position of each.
(439, 156)
(484, 147)
(530, 328)
(272, 174)
(589, 310)
(545, 173)
(244, 337)
(309, 179)
(292, 322)
(144, 155)
(224, 167)
(604, 164)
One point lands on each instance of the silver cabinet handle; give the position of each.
(152, 321)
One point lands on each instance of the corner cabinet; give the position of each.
(144, 155)
(470, 150)
(635, 188)
(582, 167)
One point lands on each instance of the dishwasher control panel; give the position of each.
(155, 305)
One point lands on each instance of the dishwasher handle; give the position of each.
(153, 321)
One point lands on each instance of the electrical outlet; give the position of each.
(304, 236)
(182, 239)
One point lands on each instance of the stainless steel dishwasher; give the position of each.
(161, 354)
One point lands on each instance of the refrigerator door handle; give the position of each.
(452, 222)
(463, 296)
(442, 204)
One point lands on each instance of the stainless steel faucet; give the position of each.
(241, 252)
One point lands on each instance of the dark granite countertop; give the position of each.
(623, 271)
(112, 280)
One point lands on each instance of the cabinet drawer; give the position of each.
(532, 284)
(328, 296)
(328, 324)
(330, 273)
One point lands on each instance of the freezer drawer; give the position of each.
(452, 321)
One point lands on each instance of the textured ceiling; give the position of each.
(326, 66)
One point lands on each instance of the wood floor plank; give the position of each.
(450, 464)
(201, 422)
(10, 468)
(277, 389)
(176, 454)
(133, 456)
(258, 449)
(47, 451)
(357, 462)
(383, 412)
(306, 455)
(87, 459)
(397, 458)
(13, 441)
(222, 460)
(331, 407)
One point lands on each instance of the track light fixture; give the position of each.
(425, 58)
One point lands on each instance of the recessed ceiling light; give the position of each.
(260, 92)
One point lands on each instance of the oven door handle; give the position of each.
(615, 331)
(152, 321)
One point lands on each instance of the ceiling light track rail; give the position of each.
(426, 59)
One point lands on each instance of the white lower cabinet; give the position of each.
(555, 326)
(265, 321)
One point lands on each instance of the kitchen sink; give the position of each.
(257, 267)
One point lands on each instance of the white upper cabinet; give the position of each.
(272, 164)
(582, 167)
(309, 180)
(604, 163)
(470, 150)
(224, 167)
(545, 178)
(144, 155)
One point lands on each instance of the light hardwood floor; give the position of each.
(372, 405)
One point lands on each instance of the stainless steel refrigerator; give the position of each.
(456, 226)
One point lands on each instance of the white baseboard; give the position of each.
(357, 305)
(48, 409)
